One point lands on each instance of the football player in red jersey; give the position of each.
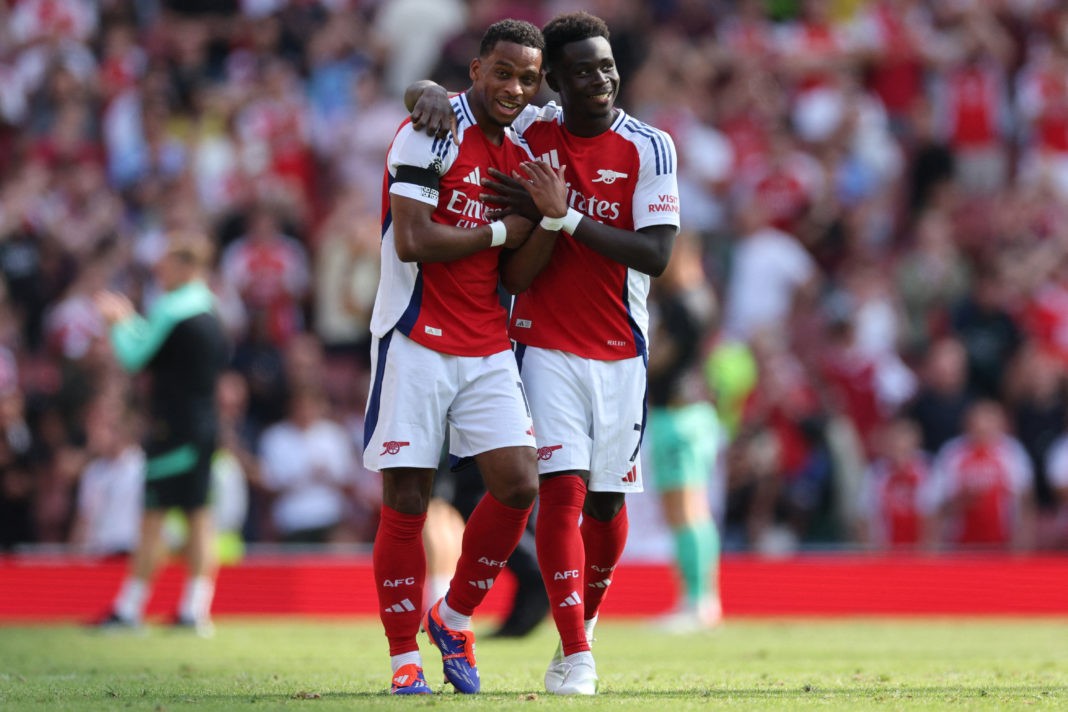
(441, 355)
(580, 320)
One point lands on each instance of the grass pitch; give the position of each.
(886, 664)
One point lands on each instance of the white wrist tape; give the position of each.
(551, 224)
(571, 221)
(500, 233)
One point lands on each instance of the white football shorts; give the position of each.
(417, 392)
(589, 415)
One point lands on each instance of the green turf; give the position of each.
(746, 665)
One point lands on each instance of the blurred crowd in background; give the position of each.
(877, 190)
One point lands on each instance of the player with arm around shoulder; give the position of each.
(580, 319)
(441, 357)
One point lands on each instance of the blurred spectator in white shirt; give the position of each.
(111, 487)
(308, 464)
(769, 271)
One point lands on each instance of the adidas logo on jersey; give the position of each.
(573, 599)
(404, 606)
(484, 584)
(473, 177)
(552, 158)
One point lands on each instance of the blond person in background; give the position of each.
(182, 345)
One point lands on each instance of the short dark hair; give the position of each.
(519, 32)
(568, 28)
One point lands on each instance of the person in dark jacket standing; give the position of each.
(181, 343)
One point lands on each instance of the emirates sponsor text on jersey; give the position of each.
(472, 212)
(592, 205)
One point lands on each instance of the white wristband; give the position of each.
(551, 224)
(571, 221)
(568, 222)
(500, 233)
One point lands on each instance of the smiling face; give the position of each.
(504, 81)
(586, 77)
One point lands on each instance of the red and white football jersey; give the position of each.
(449, 307)
(897, 37)
(972, 104)
(808, 41)
(1045, 318)
(272, 276)
(896, 498)
(1042, 97)
(583, 302)
(987, 480)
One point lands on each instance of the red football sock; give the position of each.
(400, 571)
(491, 535)
(561, 557)
(604, 542)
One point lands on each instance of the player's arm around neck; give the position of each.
(431, 112)
(418, 238)
(646, 250)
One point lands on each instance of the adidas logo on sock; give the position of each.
(484, 584)
(603, 583)
(473, 177)
(404, 606)
(573, 599)
(401, 680)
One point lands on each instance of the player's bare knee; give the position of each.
(603, 506)
(511, 475)
(518, 494)
(406, 503)
(406, 491)
(517, 488)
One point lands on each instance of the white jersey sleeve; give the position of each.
(531, 113)
(413, 161)
(656, 196)
(1021, 473)
(942, 483)
(1057, 463)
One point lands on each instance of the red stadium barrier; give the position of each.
(54, 589)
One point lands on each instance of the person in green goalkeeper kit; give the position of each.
(685, 433)
(182, 345)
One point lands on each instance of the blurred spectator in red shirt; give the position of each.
(971, 96)
(896, 494)
(1042, 107)
(270, 270)
(983, 484)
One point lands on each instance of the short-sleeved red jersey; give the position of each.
(450, 307)
(583, 302)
